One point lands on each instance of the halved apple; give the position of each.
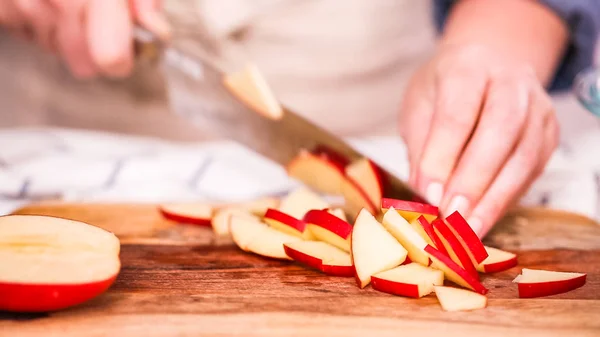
(49, 264)
(425, 229)
(453, 272)
(300, 201)
(328, 228)
(287, 224)
(251, 235)
(317, 171)
(467, 238)
(407, 236)
(456, 299)
(374, 249)
(321, 256)
(411, 280)
(497, 261)
(188, 213)
(356, 198)
(411, 210)
(368, 177)
(455, 250)
(539, 283)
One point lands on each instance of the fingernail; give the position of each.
(458, 203)
(476, 225)
(434, 193)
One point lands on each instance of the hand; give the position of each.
(94, 37)
(479, 129)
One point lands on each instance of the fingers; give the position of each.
(459, 94)
(148, 13)
(499, 129)
(109, 31)
(43, 19)
(525, 164)
(12, 20)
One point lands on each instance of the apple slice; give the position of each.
(539, 283)
(220, 221)
(411, 210)
(467, 238)
(338, 212)
(374, 249)
(321, 256)
(336, 157)
(287, 224)
(49, 264)
(453, 271)
(425, 229)
(455, 250)
(188, 213)
(300, 201)
(497, 261)
(251, 235)
(257, 207)
(407, 236)
(356, 198)
(368, 177)
(253, 208)
(328, 228)
(456, 299)
(317, 171)
(411, 280)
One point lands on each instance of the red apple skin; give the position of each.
(470, 279)
(185, 219)
(335, 157)
(471, 240)
(412, 206)
(302, 258)
(328, 221)
(500, 266)
(285, 219)
(408, 261)
(368, 203)
(541, 289)
(457, 247)
(19, 297)
(342, 271)
(428, 228)
(395, 288)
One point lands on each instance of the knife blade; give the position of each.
(225, 115)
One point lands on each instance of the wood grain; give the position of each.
(179, 280)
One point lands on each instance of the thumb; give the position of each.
(149, 14)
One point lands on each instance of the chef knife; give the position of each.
(277, 132)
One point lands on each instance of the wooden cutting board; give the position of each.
(180, 280)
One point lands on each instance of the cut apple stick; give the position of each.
(425, 229)
(540, 283)
(368, 177)
(467, 237)
(321, 256)
(356, 198)
(328, 228)
(287, 224)
(254, 236)
(318, 172)
(453, 272)
(411, 210)
(455, 299)
(300, 201)
(407, 236)
(374, 249)
(188, 213)
(411, 280)
(49, 264)
(454, 248)
(497, 261)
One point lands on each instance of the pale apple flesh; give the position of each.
(411, 210)
(356, 198)
(456, 299)
(453, 272)
(497, 261)
(287, 224)
(317, 172)
(374, 249)
(326, 227)
(321, 256)
(454, 248)
(300, 201)
(410, 280)
(539, 283)
(222, 217)
(467, 237)
(407, 236)
(49, 264)
(338, 212)
(253, 236)
(188, 213)
(368, 177)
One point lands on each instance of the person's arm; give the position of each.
(525, 31)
